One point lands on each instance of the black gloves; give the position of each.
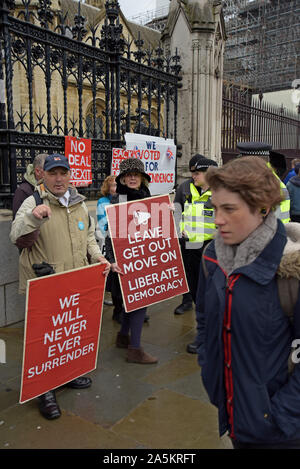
(43, 269)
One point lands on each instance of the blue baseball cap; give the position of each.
(56, 160)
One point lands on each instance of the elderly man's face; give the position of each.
(57, 180)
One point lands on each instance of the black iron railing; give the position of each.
(253, 119)
(62, 76)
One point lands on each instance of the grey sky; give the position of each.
(134, 7)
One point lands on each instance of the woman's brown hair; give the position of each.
(251, 178)
(106, 183)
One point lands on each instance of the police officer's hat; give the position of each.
(276, 159)
(254, 148)
(201, 163)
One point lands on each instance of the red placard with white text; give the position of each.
(79, 153)
(62, 328)
(146, 248)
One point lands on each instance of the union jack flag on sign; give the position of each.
(169, 154)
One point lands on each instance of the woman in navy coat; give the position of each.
(245, 335)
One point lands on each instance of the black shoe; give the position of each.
(80, 383)
(48, 406)
(183, 307)
(192, 348)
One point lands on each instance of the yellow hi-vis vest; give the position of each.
(283, 210)
(198, 218)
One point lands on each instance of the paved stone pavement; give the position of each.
(129, 406)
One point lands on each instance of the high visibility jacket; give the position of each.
(283, 210)
(198, 219)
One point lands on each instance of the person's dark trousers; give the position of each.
(133, 322)
(187, 299)
(295, 218)
(130, 337)
(193, 257)
(118, 307)
(292, 444)
(116, 296)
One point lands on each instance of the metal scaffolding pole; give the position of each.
(263, 46)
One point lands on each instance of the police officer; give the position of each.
(276, 162)
(196, 226)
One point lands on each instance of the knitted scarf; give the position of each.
(133, 194)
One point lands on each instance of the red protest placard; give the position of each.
(79, 153)
(146, 249)
(62, 328)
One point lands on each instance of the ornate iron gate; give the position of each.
(38, 44)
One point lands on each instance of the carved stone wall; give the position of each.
(196, 29)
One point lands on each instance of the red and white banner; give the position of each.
(146, 249)
(62, 328)
(159, 158)
(79, 153)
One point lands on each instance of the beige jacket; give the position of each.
(290, 261)
(63, 240)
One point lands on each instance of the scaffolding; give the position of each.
(150, 15)
(263, 46)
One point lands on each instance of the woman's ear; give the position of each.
(264, 211)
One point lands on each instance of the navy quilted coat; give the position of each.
(246, 340)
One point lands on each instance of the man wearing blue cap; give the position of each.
(56, 233)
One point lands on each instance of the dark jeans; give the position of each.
(116, 295)
(133, 322)
(193, 257)
(192, 261)
(186, 297)
(291, 444)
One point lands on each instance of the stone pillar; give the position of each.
(196, 29)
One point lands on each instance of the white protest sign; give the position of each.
(159, 158)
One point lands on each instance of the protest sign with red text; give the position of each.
(62, 328)
(158, 155)
(146, 249)
(79, 153)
